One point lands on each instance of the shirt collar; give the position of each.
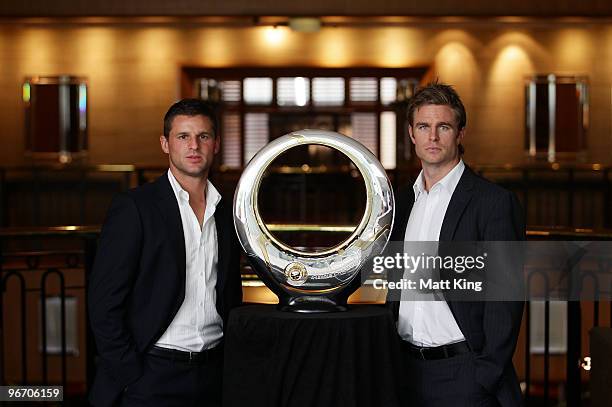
(212, 195)
(449, 182)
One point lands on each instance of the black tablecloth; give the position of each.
(275, 358)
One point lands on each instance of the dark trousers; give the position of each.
(442, 382)
(167, 383)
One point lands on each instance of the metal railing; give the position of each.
(569, 195)
(575, 327)
(42, 274)
(26, 274)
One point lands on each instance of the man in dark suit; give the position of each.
(455, 353)
(165, 276)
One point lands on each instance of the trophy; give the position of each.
(313, 281)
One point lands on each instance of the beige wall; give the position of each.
(133, 72)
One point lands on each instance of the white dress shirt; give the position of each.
(429, 323)
(197, 324)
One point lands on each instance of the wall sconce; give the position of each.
(305, 24)
(556, 115)
(55, 117)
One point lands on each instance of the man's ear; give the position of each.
(163, 141)
(460, 136)
(410, 134)
(217, 144)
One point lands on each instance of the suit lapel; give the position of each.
(402, 214)
(456, 207)
(459, 201)
(405, 203)
(223, 248)
(169, 209)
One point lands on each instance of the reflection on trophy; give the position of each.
(317, 281)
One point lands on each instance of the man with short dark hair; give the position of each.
(165, 276)
(455, 353)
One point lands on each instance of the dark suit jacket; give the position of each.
(138, 280)
(480, 211)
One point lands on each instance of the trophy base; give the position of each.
(311, 305)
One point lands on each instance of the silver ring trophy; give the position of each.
(313, 281)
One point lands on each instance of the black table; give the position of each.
(283, 359)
